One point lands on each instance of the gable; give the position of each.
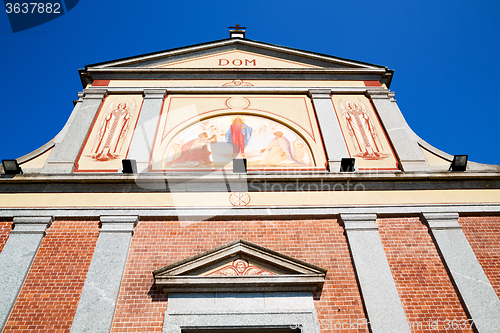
(234, 53)
(239, 266)
(234, 59)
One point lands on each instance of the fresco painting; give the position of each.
(207, 131)
(239, 267)
(109, 139)
(216, 141)
(363, 134)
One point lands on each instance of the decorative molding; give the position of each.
(269, 213)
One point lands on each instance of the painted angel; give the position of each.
(113, 130)
(241, 267)
(299, 151)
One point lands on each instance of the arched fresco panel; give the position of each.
(193, 138)
(217, 141)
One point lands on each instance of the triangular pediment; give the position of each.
(234, 53)
(239, 266)
(234, 59)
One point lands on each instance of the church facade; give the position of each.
(241, 186)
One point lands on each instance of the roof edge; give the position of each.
(229, 41)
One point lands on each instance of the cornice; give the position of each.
(251, 182)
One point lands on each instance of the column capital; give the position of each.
(120, 224)
(31, 224)
(440, 221)
(379, 94)
(95, 93)
(359, 222)
(80, 98)
(154, 93)
(320, 93)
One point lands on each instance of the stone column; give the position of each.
(63, 157)
(378, 290)
(330, 128)
(142, 142)
(471, 283)
(399, 133)
(97, 304)
(16, 259)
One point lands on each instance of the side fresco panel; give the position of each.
(364, 136)
(109, 138)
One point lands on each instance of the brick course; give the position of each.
(158, 243)
(49, 297)
(5, 228)
(483, 234)
(424, 287)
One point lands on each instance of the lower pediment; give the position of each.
(239, 266)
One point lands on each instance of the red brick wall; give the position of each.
(49, 297)
(483, 234)
(52, 289)
(158, 243)
(422, 282)
(5, 228)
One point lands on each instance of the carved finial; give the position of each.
(237, 27)
(237, 31)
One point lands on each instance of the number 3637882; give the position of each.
(33, 8)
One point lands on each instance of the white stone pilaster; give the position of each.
(142, 142)
(63, 157)
(409, 154)
(471, 283)
(378, 289)
(16, 259)
(97, 303)
(330, 128)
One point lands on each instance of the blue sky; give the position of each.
(444, 53)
